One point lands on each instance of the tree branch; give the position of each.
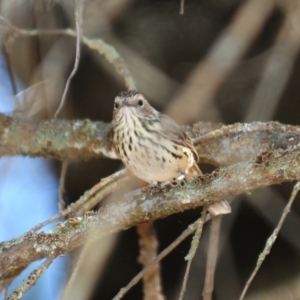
(84, 139)
(59, 139)
(266, 169)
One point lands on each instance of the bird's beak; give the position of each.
(126, 103)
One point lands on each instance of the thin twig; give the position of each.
(192, 252)
(269, 209)
(108, 51)
(90, 198)
(212, 255)
(159, 257)
(271, 240)
(78, 20)
(31, 280)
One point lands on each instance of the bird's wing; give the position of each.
(176, 134)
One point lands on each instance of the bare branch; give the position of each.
(148, 251)
(159, 257)
(212, 255)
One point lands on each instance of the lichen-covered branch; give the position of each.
(269, 168)
(84, 139)
(239, 142)
(59, 139)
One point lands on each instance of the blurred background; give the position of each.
(162, 49)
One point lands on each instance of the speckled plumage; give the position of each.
(151, 145)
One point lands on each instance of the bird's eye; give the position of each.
(140, 102)
(116, 105)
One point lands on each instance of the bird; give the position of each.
(152, 146)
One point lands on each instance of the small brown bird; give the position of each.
(152, 146)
